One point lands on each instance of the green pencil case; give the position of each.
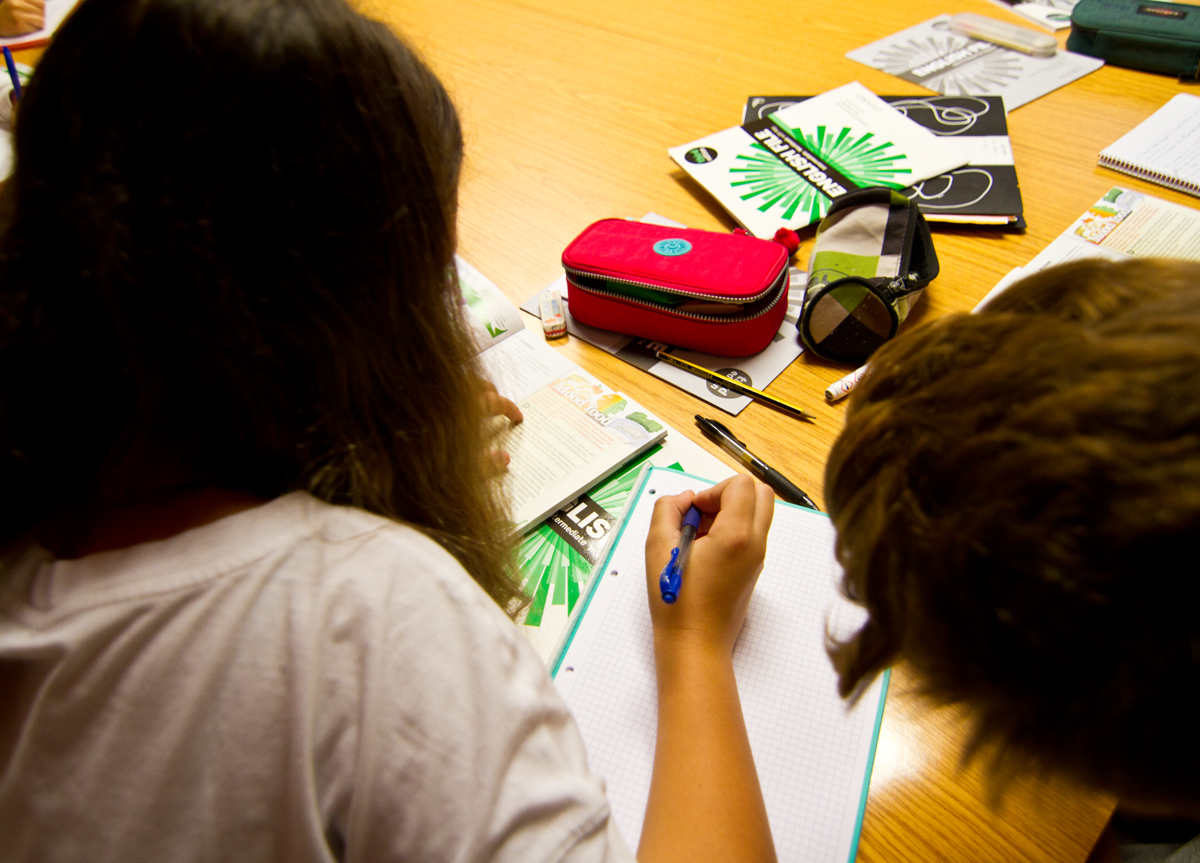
(1154, 37)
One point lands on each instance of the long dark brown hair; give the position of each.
(225, 260)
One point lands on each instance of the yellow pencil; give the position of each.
(731, 384)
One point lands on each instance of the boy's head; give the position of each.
(1017, 500)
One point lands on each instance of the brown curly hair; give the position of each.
(1017, 502)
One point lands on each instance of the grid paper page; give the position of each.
(812, 754)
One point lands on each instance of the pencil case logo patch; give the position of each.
(672, 247)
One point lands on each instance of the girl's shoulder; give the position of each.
(294, 542)
(325, 663)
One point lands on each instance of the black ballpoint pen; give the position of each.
(782, 485)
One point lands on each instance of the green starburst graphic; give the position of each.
(863, 159)
(552, 571)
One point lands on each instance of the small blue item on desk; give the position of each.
(672, 573)
(12, 73)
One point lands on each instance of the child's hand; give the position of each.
(495, 406)
(705, 802)
(726, 559)
(18, 17)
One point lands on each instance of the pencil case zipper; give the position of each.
(574, 276)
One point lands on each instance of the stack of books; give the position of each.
(793, 155)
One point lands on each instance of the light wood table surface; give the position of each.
(569, 108)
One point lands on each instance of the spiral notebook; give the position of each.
(813, 752)
(1164, 148)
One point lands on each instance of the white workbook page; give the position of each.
(811, 750)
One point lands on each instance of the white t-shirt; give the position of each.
(297, 682)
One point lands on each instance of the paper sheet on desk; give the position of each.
(6, 154)
(757, 370)
(813, 752)
(1126, 224)
(931, 56)
(1123, 224)
(523, 364)
(1051, 14)
(490, 314)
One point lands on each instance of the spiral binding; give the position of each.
(1168, 180)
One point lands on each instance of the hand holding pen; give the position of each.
(672, 574)
(718, 576)
(702, 757)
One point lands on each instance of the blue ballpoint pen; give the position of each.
(12, 73)
(672, 573)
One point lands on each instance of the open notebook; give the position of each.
(576, 430)
(1164, 148)
(813, 753)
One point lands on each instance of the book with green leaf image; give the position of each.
(490, 315)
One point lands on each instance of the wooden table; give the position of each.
(569, 108)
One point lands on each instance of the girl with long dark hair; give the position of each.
(254, 575)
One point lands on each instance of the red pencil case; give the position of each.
(723, 294)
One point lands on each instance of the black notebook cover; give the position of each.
(970, 191)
